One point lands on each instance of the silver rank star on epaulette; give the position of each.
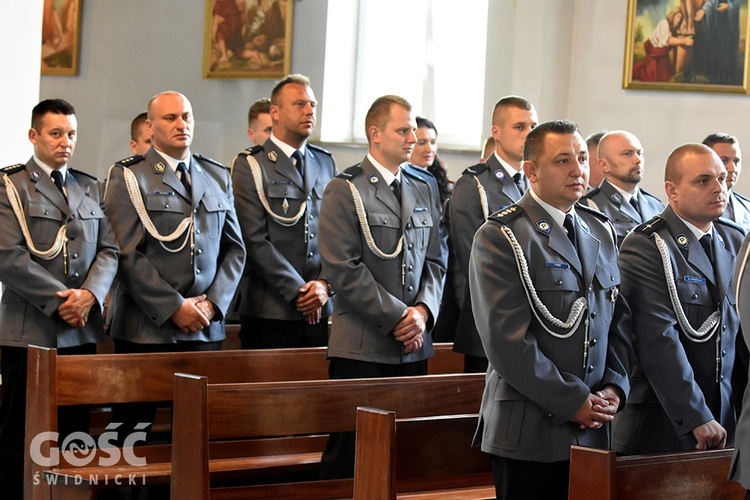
(507, 211)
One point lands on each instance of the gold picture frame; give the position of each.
(248, 38)
(687, 45)
(61, 37)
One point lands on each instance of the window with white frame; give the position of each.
(431, 52)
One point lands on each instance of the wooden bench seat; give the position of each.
(206, 412)
(107, 379)
(697, 475)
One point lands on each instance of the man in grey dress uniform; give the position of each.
(544, 285)
(618, 196)
(728, 148)
(480, 191)
(59, 257)
(381, 250)
(685, 321)
(284, 299)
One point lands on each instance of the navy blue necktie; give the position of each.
(571, 229)
(182, 170)
(57, 178)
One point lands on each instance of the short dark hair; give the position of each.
(380, 111)
(293, 78)
(533, 145)
(425, 123)
(719, 137)
(593, 139)
(259, 107)
(672, 171)
(511, 101)
(135, 125)
(54, 106)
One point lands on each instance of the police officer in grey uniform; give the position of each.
(685, 321)
(618, 196)
(182, 251)
(381, 250)
(480, 191)
(59, 257)
(544, 285)
(728, 148)
(284, 299)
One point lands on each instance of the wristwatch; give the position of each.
(331, 291)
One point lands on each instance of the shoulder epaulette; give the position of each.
(730, 223)
(741, 196)
(81, 172)
(417, 172)
(132, 160)
(319, 149)
(351, 172)
(476, 169)
(591, 193)
(209, 160)
(506, 214)
(652, 225)
(649, 195)
(252, 151)
(12, 169)
(588, 209)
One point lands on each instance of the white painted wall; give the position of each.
(21, 42)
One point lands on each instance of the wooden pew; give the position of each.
(434, 457)
(601, 475)
(204, 413)
(103, 380)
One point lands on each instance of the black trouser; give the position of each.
(262, 333)
(338, 456)
(526, 480)
(13, 416)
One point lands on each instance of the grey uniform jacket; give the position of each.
(623, 216)
(28, 310)
(536, 382)
(372, 293)
(675, 387)
(465, 218)
(740, 212)
(280, 258)
(740, 470)
(154, 281)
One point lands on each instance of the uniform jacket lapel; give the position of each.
(588, 249)
(408, 199)
(382, 190)
(545, 225)
(76, 192)
(696, 256)
(509, 188)
(617, 200)
(46, 186)
(312, 170)
(198, 181)
(284, 166)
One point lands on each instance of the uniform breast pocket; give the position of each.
(608, 278)
(216, 207)
(422, 224)
(557, 288)
(45, 221)
(90, 214)
(695, 296)
(166, 211)
(385, 229)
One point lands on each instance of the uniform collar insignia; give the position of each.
(374, 179)
(681, 240)
(583, 224)
(616, 198)
(273, 156)
(543, 226)
(499, 174)
(35, 175)
(159, 167)
(719, 238)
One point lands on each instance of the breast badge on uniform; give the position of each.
(681, 240)
(543, 226)
(499, 174)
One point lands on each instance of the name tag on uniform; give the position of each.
(282, 182)
(694, 279)
(420, 209)
(165, 193)
(557, 265)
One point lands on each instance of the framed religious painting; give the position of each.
(693, 45)
(61, 37)
(247, 38)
